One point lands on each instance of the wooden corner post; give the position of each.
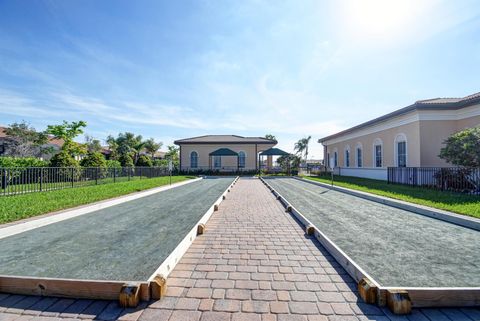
(399, 302)
(367, 291)
(158, 287)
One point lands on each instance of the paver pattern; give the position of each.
(254, 263)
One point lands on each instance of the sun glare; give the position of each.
(380, 20)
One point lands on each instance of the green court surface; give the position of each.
(395, 247)
(125, 242)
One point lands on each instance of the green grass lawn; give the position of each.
(13, 208)
(453, 202)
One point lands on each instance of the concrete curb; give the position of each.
(462, 220)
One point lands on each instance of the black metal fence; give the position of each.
(455, 179)
(38, 179)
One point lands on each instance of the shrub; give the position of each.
(126, 160)
(111, 163)
(63, 159)
(160, 163)
(144, 160)
(8, 161)
(94, 159)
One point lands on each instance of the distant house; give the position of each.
(222, 152)
(6, 141)
(409, 137)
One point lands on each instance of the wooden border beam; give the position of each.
(399, 302)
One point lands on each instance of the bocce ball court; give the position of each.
(394, 254)
(123, 251)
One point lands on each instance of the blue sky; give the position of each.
(175, 69)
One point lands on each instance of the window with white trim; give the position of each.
(347, 158)
(193, 159)
(402, 154)
(335, 159)
(378, 155)
(241, 159)
(359, 157)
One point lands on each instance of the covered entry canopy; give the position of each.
(274, 152)
(269, 153)
(223, 152)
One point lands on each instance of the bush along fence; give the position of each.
(454, 179)
(20, 180)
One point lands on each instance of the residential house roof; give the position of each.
(225, 139)
(427, 104)
(51, 140)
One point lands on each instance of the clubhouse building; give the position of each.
(409, 137)
(223, 152)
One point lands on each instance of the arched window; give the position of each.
(193, 159)
(347, 156)
(401, 150)
(359, 156)
(241, 159)
(377, 153)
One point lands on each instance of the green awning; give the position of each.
(223, 152)
(274, 152)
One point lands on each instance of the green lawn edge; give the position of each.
(468, 205)
(14, 208)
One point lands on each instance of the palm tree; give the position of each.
(302, 146)
(152, 147)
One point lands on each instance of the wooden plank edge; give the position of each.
(67, 288)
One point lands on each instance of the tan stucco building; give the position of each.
(222, 152)
(409, 137)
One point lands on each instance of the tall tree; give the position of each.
(301, 147)
(270, 136)
(93, 145)
(113, 147)
(25, 141)
(152, 147)
(128, 143)
(463, 148)
(68, 132)
(173, 155)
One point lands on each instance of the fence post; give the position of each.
(72, 176)
(41, 178)
(114, 174)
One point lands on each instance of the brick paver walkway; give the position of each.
(253, 263)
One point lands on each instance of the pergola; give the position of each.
(222, 152)
(271, 152)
